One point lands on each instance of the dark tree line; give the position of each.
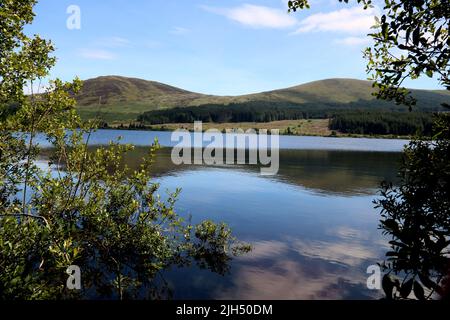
(345, 118)
(259, 111)
(383, 123)
(234, 112)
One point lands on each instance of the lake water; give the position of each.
(313, 227)
(145, 138)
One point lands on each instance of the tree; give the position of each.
(416, 215)
(85, 207)
(411, 39)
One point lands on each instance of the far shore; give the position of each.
(311, 127)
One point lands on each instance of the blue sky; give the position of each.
(225, 47)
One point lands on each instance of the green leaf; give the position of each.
(416, 36)
(418, 291)
(406, 288)
(388, 286)
(391, 254)
(391, 224)
(426, 281)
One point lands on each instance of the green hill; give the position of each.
(115, 91)
(120, 99)
(345, 91)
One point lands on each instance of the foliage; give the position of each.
(82, 208)
(263, 111)
(295, 5)
(382, 123)
(416, 215)
(411, 39)
(258, 111)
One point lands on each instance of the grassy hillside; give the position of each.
(344, 91)
(120, 99)
(114, 90)
(115, 98)
(330, 90)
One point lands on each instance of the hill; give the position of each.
(121, 99)
(345, 91)
(114, 90)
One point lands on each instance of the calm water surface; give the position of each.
(144, 138)
(312, 226)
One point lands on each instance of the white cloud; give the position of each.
(354, 20)
(97, 54)
(179, 30)
(353, 41)
(113, 42)
(256, 16)
(351, 253)
(150, 44)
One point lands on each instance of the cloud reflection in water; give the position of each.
(305, 269)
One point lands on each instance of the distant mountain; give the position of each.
(115, 90)
(116, 98)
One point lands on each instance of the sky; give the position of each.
(223, 47)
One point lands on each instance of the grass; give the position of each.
(314, 127)
(112, 114)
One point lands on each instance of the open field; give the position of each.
(317, 127)
(314, 127)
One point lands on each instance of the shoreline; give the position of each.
(338, 135)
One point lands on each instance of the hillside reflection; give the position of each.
(322, 171)
(312, 226)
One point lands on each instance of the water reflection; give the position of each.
(313, 226)
(341, 172)
(307, 244)
(324, 171)
(305, 269)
